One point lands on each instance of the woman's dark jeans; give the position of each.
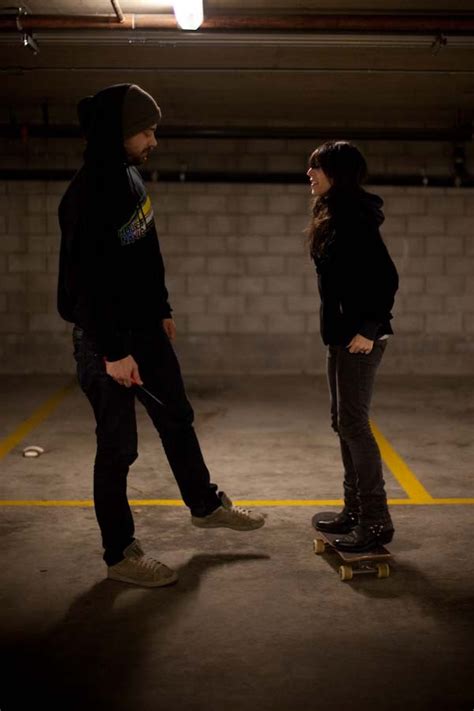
(351, 379)
(116, 431)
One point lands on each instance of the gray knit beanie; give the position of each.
(139, 111)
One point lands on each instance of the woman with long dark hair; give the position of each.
(357, 281)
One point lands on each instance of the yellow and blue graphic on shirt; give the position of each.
(139, 223)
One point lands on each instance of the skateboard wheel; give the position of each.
(345, 572)
(319, 546)
(383, 570)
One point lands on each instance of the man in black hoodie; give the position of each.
(112, 287)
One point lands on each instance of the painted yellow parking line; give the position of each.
(87, 503)
(7, 444)
(446, 502)
(340, 502)
(415, 491)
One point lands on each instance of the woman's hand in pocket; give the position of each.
(360, 344)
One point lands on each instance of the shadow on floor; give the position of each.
(89, 658)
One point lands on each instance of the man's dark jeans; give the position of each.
(351, 379)
(114, 410)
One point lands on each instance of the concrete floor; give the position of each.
(257, 621)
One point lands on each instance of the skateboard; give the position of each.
(370, 562)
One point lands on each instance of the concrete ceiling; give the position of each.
(249, 80)
(97, 7)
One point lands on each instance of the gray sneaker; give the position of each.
(139, 569)
(230, 516)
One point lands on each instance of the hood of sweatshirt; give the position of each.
(371, 207)
(109, 181)
(356, 206)
(100, 117)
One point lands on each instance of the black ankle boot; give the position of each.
(366, 537)
(343, 522)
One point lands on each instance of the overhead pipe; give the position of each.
(418, 24)
(118, 11)
(92, 22)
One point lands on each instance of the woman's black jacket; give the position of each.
(357, 278)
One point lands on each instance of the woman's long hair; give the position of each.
(345, 166)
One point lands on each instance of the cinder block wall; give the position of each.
(241, 284)
(433, 158)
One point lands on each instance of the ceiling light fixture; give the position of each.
(189, 13)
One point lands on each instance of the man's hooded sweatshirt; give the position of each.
(111, 273)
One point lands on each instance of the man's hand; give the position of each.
(124, 372)
(360, 344)
(169, 328)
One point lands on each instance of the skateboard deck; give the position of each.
(369, 562)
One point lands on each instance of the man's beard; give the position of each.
(138, 159)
